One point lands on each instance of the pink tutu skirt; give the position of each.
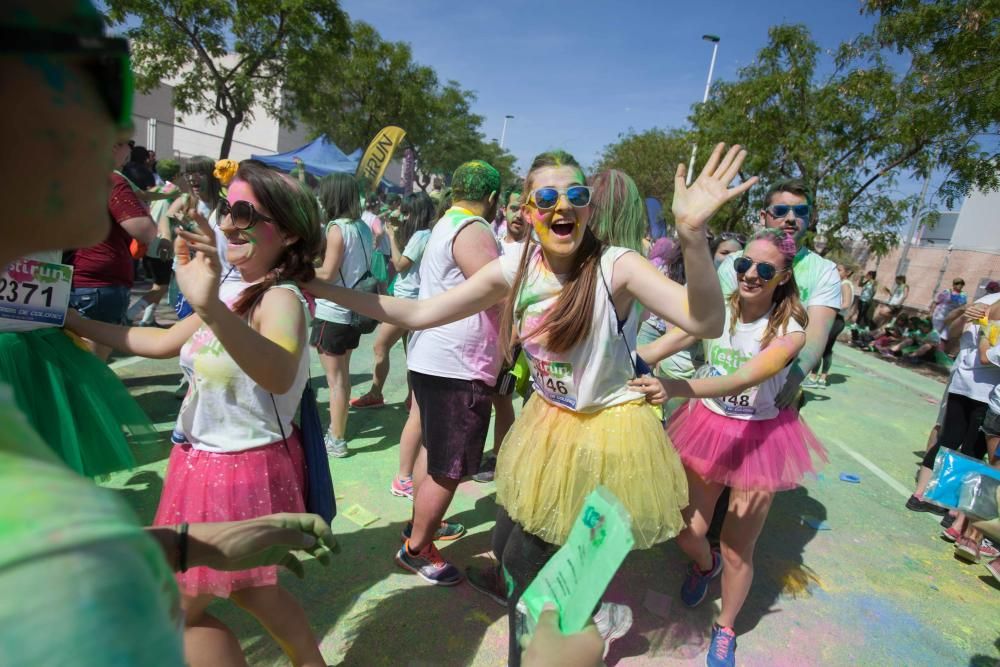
(761, 455)
(205, 486)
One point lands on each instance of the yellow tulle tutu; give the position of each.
(553, 458)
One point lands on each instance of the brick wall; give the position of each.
(930, 267)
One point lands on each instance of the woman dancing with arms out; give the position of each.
(248, 364)
(573, 301)
(735, 435)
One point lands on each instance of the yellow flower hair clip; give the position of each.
(225, 170)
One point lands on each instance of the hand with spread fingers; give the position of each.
(198, 275)
(267, 540)
(693, 205)
(654, 390)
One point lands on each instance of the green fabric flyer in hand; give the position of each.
(576, 577)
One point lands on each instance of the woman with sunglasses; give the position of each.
(734, 435)
(573, 301)
(236, 455)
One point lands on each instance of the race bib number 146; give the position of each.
(554, 379)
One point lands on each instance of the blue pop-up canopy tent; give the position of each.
(320, 157)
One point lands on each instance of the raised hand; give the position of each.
(198, 276)
(694, 205)
(267, 540)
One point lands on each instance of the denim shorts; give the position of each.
(103, 304)
(991, 424)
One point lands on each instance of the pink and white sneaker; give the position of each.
(402, 487)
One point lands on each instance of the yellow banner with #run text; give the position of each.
(376, 158)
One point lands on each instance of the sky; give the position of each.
(576, 75)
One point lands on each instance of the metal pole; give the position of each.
(901, 266)
(503, 132)
(708, 86)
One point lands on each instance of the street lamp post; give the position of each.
(708, 84)
(503, 132)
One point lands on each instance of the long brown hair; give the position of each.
(569, 321)
(295, 211)
(787, 304)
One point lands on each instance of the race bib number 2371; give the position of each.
(35, 291)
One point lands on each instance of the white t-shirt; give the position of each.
(993, 354)
(591, 376)
(727, 353)
(225, 410)
(511, 247)
(357, 259)
(969, 377)
(898, 294)
(407, 285)
(18, 326)
(817, 278)
(466, 349)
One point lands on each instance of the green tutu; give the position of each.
(75, 402)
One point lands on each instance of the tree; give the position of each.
(226, 56)
(651, 159)
(850, 134)
(370, 83)
(954, 46)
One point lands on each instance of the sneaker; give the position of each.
(402, 487)
(368, 400)
(967, 550)
(994, 567)
(613, 621)
(428, 565)
(487, 470)
(951, 534)
(488, 581)
(810, 383)
(988, 550)
(448, 531)
(336, 447)
(915, 504)
(722, 650)
(695, 586)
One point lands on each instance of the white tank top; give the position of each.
(466, 349)
(358, 249)
(592, 375)
(225, 410)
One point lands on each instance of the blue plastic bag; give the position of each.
(951, 471)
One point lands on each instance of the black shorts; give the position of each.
(158, 269)
(333, 337)
(454, 421)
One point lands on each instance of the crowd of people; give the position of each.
(544, 289)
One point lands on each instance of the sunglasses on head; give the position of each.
(733, 236)
(242, 213)
(800, 211)
(547, 198)
(106, 59)
(765, 270)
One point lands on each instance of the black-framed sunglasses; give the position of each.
(733, 236)
(800, 211)
(242, 213)
(107, 60)
(765, 270)
(547, 198)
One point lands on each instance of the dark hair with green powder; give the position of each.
(618, 213)
(475, 180)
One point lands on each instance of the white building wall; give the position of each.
(978, 225)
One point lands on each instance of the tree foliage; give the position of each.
(369, 83)
(651, 159)
(226, 56)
